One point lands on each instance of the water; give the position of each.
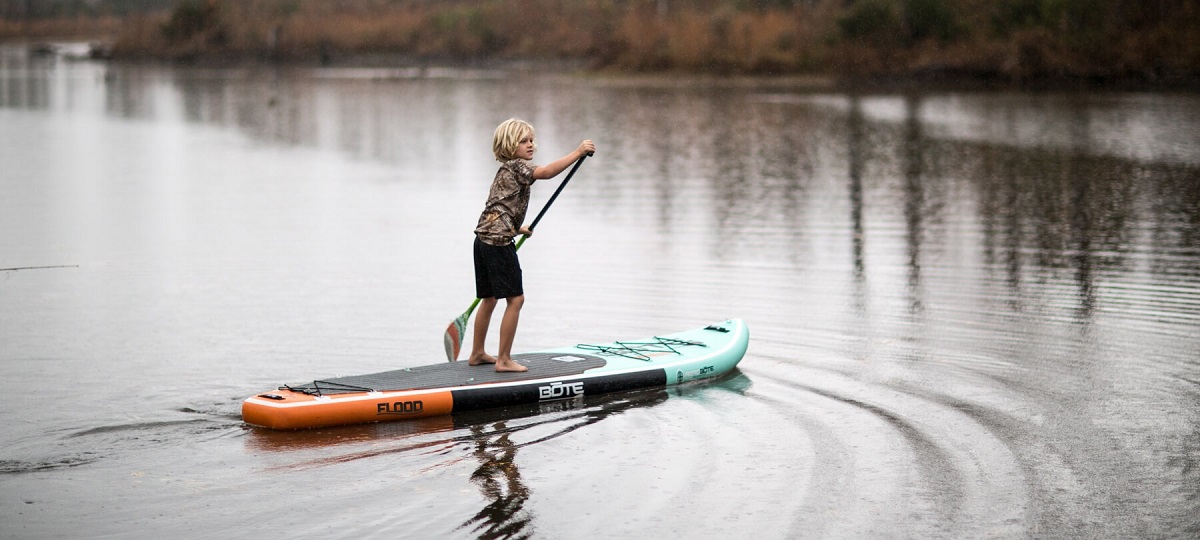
(972, 314)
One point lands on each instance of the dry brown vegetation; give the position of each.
(1017, 40)
(83, 28)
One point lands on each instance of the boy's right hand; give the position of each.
(586, 148)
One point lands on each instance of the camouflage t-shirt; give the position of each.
(507, 202)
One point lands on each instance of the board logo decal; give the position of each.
(568, 358)
(694, 374)
(400, 407)
(557, 390)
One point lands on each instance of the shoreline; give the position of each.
(885, 44)
(911, 80)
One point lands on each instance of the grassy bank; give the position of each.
(1151, 41)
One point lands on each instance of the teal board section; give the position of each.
(658, 361)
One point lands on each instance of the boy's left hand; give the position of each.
(526, 231)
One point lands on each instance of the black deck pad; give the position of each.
(452, 374)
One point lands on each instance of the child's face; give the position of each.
(526, 147)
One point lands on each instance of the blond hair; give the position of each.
(508, 134)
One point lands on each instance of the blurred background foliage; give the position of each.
(1021, 40)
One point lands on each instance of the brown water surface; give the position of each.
(972, 314)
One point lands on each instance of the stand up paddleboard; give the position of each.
(445, 388)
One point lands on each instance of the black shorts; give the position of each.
(497, 271)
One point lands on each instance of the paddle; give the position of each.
(458, 327)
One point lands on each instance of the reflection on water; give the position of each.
(975, 314)
(498, 475)
(499, 480)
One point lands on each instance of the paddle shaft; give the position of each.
(43, 267)
(552, 197)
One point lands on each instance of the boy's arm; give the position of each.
(559, 165)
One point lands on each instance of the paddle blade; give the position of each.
(454, 336)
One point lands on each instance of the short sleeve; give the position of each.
(522, 169)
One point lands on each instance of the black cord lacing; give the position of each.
(638, 350)
(315, 388)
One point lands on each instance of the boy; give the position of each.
(497, 270)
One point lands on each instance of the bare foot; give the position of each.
(482, 358)
(510, 366)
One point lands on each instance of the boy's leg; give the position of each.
(482, 318)
(508, 333)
